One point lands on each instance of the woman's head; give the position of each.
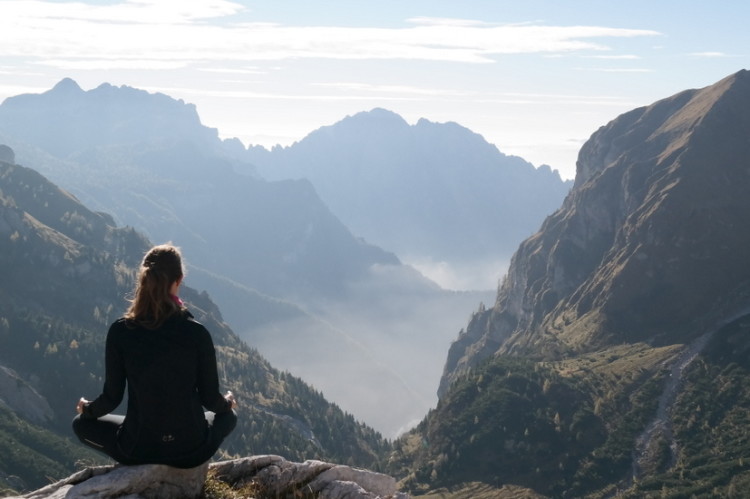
(153, 303)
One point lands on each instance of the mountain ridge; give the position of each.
(139, 116)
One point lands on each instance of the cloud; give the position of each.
(547, 99)
(708, 54)
(404, 90)
(481, 275)
(618, 70)
(614, 57)
(357, 91)
(124, 12)
(111, 64)
(234, 71)
(19, 89)
(190, 32)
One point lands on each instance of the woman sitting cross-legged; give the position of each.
(168, 362)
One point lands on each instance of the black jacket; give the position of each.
(171, 375)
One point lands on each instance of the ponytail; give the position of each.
(152, 303)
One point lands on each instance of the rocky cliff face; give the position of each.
(650, 244)
(21, 397)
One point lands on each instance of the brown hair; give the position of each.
(152, 303)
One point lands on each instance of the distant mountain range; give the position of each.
(615, 358)
(66, 272)
(434, 193)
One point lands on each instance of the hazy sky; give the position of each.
(535, 78)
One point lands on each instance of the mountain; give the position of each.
(290, 277)
(152, 148)
(66, 272)
(649, 245)
(424, 191)
(66, 119)
(614, 360)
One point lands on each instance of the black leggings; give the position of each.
(101, 434)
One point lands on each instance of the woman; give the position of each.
(169, 363)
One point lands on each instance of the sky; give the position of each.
(535, 78)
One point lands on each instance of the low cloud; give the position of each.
(708, 54)
(469, 276)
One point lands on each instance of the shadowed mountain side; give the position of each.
(66, 272)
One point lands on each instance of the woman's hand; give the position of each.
(230, 397)
(81, 403)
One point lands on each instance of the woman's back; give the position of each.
(168, 362)
(165, 379)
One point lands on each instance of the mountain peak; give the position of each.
(376, 117)
(66, 85)
(67, 119)
(647, 130)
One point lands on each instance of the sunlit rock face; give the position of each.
(650, 244)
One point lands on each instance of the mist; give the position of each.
(378, 355)
(477, 275)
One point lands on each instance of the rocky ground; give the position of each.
(256, 477)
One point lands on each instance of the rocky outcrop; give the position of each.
(650, 245)
(7, 154)
(134, 482)
(271, 476)
(22, 398)
(277, 477)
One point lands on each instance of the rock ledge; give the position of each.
(273, 475)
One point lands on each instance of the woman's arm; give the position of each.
(208, 376)
(114, 378)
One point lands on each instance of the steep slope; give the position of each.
(423, 191)
(648, 246)
(614, 361)
(66, 272)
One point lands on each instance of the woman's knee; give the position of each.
(225, 422)
(79, 425)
